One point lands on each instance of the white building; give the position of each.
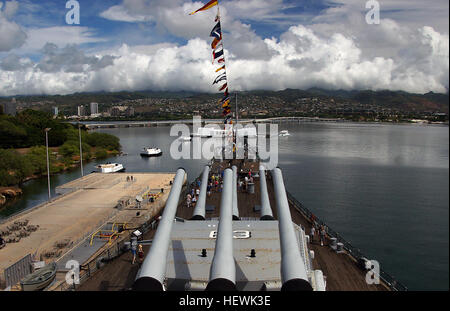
(81, 111)
(94, 109)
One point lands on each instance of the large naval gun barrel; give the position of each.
(235, 199)
(199, 211)
(222, 276)
(153, 269)
(266, 210)
(293, 271)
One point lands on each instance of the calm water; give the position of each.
(383, 187)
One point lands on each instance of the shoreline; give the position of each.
(93, 124)
(8, 193)
(18, 191)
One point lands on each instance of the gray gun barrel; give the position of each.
(293, 271)
(222, 275)
(266, 210)
(152, 272)
(199, 211)
(235, 199)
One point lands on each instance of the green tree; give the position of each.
(14, 168)
(13, 135)
(101, 153)
(36, 121)
(37, 156)
(103, 140)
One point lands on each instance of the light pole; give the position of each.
(81, 150)
(48, 166)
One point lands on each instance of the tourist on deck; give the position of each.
(188, 200)
(194, 200)
(322, 235)
(208, 189)
(140, 253)
(133, 249)
(311, 234)
(197, 191)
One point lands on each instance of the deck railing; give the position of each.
(110, 253)
(392, 283)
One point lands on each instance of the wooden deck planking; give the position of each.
(341, 271)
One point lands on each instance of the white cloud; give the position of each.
(13, 62)
(10, 9)
(338, 50)
(117, 13)
(58, 35)
(11, 34)
(301, 59)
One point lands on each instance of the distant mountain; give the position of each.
(389, 99)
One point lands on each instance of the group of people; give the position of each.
(243, 185)
(140, 252)
(215, 183)
(320, 231)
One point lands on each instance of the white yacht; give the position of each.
(110, 168)
(284, 133)
(151, 152)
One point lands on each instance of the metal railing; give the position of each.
(110, 253)
(354, 252)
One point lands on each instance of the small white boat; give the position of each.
(151, 152)
(39, 279)
(284, 133)
(110, 168)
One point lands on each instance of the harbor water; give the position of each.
(383, 187)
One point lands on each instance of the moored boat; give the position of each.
(151, 152)
(39, 279)
(110, 168)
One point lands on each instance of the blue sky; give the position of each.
(51, 13)
(149, 44)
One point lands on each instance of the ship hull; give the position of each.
(146, 155)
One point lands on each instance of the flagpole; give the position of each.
(223, 45)
(233, 139)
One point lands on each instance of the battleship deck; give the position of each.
(340, 269)
(86, 204)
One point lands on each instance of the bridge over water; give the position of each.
(122, 124)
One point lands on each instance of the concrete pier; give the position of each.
(86, 204)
